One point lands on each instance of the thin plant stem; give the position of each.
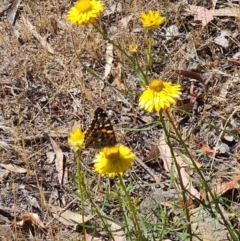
(80, 181)
(93, 73)
(218, 209)
(131, 208)
(123, 208)
(218, 128)
(179, 174)
(135, 65)
(149, 52)
(82, 189)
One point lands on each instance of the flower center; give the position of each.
(111, 153)
(156, 85)
(83, 5)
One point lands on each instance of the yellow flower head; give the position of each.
(85, 12)
(113, 160)
(151, 20)
(159, 95)
(76, 138)
(133, 48)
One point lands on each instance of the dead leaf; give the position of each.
(172, 31)
(124, 22)
(53, 26)
(116, 75)
(202, 14)
(196, 76)
(190, 204)
(214, 2)
(237, 61)
(170, 166)
(225, 186)
(89, 237)
(34, 32)
(35, 219)
(12, 13)
(50, 157)
(204, 148)
(190, 75)
(13, 168)
(153, 154)
(117, 231)
(30, 219)
(222, 40)
(187, 182)
(230, 12)
(167, 204)
(3, 174)
(113, 69)
(109, 60)
(113, 9)
(224, 88)
(67, 217)
(185, 104)
(58, 160)
(34, 202)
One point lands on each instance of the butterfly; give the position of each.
(100, 133)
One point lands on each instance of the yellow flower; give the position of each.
(76, 138)
(85, 11)
(152, 20)
(113, 160)
(133, 48)
(159, 95)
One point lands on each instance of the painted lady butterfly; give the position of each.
(100, 133)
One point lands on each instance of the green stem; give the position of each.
(184, 192)
(132, 209)
(233, 233)
(84, 190)
(136, 66)
(80, 183)
(149, 53)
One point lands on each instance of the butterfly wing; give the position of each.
(100, 133)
